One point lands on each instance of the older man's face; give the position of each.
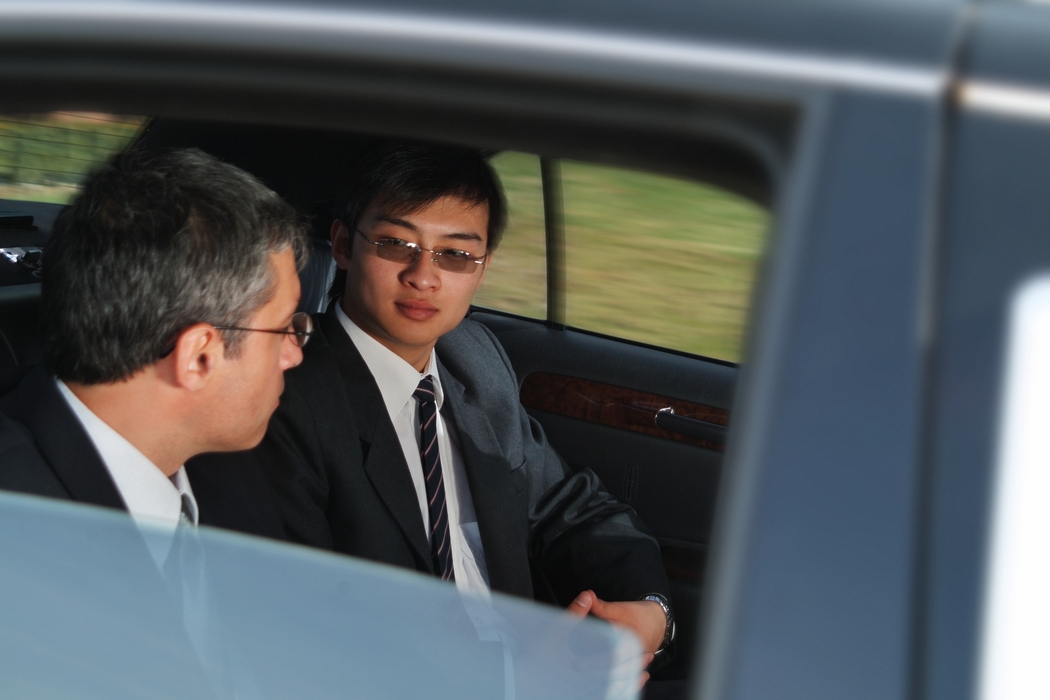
(251, 384)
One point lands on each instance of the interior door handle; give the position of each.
(666, 419)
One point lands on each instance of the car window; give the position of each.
(516, 279)
(655, 259)
(44, 157)
(660, 260)
(94, 606)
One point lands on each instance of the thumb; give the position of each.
(583, 603)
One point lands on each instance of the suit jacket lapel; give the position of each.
(63, 442)
(501, 510)
(384, 462)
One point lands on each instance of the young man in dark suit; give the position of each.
(401, 438)
(150, 279)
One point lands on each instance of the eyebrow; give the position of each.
(457, 236)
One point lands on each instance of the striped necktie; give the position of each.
(440, 540)
(185, 574)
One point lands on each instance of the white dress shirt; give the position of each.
(152, 498)
(397, 382)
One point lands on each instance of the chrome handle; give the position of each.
(667, 419)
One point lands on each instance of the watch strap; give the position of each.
(669, 630)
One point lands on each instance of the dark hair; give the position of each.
(405, 176)
(155, 242)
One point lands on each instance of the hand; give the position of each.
(643, 617)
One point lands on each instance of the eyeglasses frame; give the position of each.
(419, 250)
(303, 336)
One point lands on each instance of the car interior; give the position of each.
(652, 420)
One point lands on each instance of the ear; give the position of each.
(199, 351)
(341, 244)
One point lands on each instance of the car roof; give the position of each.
(911, 31)
(918, 33)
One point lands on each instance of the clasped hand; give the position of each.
(643, 617)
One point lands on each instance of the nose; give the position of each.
(291, 354)
(423, 273)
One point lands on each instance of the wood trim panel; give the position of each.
(614, 406)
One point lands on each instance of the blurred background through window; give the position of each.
(654, 259)
(45, 157)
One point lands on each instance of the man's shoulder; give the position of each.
(470, 338)
(473, 355)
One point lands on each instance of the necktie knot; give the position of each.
(188, 513)
(424, 392)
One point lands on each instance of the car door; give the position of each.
(837, 108)
(977, 623)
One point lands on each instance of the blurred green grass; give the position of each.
(44, 157)
(516, 278)
(655, 259)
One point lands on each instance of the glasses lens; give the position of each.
(457, 263)
(397, 251)
(303, 325)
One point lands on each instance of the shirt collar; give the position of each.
(148, 494)
(396, 378)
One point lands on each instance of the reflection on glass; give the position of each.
(89, 613)
(516, 280)
(659, 260)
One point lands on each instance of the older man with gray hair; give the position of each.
(169, 316)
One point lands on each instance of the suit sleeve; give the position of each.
(580, 537)
(293, 460)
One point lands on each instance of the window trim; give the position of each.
(554, 249)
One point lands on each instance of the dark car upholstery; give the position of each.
(20, 338)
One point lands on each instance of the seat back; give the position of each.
(21, 339)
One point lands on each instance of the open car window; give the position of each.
(645, 257)
(45, 157)
(516, 279)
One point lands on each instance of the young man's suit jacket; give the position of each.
(45, 451)
(342, 483)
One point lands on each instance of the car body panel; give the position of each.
(848, 550)
(995, 238)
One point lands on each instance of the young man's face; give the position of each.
(252, 382)
(408, 307)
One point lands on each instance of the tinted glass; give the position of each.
(659, 260)
(516, 280)
(44, 157)
(92, 607)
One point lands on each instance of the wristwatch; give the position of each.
(670, 629)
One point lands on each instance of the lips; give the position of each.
(417, 309)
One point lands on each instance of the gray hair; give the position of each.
(156, 242)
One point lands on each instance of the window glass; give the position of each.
(659, 260)
(516, 280)
(44, 157)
